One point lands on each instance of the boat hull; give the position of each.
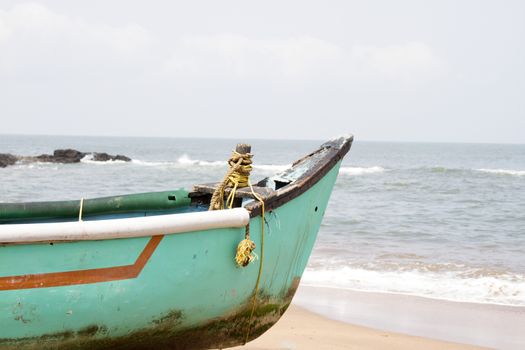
(168, 291)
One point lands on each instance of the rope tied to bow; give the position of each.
(238, 176)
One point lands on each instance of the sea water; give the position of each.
(444, 221)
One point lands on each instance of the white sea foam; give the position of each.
(183, 161)
(361, 170)
(186, 160)
(506, 289)
(36, 165)
(503, 171)
(148, 163)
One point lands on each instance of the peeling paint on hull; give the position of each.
(168, 332)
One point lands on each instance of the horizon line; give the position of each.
(264, 139)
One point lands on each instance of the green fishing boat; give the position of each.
(161, 270)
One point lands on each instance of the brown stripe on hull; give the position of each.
(68, 278)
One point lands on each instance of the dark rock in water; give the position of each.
(64, 156)
(122, 158)
(104, 157)
(7, 159)
(101, 157)
(68, 156)
(61, 156)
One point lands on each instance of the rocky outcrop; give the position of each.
(7, 159)
(63, 156)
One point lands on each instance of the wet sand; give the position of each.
(328, 318)
(488, 325)
(302, 329)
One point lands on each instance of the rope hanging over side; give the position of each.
(80, 211)
(238, 177)
(259, 274)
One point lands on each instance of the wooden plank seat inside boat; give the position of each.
(206, 190)
(244, 192)
(140, 203)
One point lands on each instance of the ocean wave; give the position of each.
(186, 160)
(361, 170)
(443, 169)
(465, 286)
(150, 163)
(183, 161)
(503, 172)
(35, 165)
(438, 169)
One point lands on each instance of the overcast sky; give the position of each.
(382, 70)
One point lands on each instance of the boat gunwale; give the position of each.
(122, 227)
(335, 149)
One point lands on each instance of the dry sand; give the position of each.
(302, 329)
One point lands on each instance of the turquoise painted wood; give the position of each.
(189, 294)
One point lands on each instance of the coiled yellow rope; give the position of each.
(236, 177)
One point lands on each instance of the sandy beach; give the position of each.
(302, 329)
(486, 325)
(330, 318)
